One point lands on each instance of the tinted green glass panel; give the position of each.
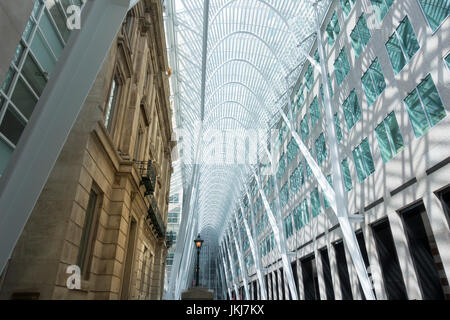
(356, 42)
(321, 149)
(395, 53)
(347, 6)
(35, 78)
(364, 32)
(416, 114)
(377, 76)
(60, 20)
(42, 53)
(369, 89)
(338, 127)
(314, 112)
(51, 35)
(357, 157)
(315, 202)
(284, 195)
(292, 150)
(394, 133)
(347, 177)
(367, 157)
(383, 142)
(381, 7)
(447, 59)
(431, 100)
(408, 38)
(304, 128)
(435, 11)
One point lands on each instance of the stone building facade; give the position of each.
(104, 206)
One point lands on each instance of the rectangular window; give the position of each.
(333, 29)
(373, 82)
(300, 98)
(304, 128)
(389, 137)
(284, 195)
(425, 107)
(314, 112)
(347, 6)
(296, 179)
(309, 77)
(347, 176)
(341, 67)
(88, 236)
(337, 127)
(363, 160)
(281, 166)
(288, 226)
(111, 105)
(402, 45)
(292, 150)
(315, 202)
(325, 201)
(308, 169)
(381, 7)
(301, 215)
(321, 149)
(436, 11)
(352, 110)
(137, 147)
(360, 36)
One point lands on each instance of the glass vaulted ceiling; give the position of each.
(234, 81)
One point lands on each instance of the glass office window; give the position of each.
(309, 77)
(314, 112)
(321, 149)
(347, 6)
(296, 179)
(402, 45)
(352, 110)
(363, 160)
(300, 98)
(373, 82)
(341, 67)
(304, 128)
(360, 36)
(39, 48)
(425, 107)
(325, 201)
(301, 215)
(288, 226)
(292, 150)
(381, 7)
(347, 176)
(281, 166)
(338, 127)
(333, 29)
(284, 195)
(435, 11)
(315, 202)
(389, 137)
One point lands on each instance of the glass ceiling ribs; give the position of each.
(252, 59)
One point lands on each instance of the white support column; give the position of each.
(235, 280)
(238, 243)
(281, 244)
(253, 248)
(54, 117)
(227, 281)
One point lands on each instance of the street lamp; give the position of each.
(198, 244)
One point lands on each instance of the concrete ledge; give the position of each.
(197, 294)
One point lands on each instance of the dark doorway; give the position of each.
(362, 247)
(310, 280)
(342, 267)
(255, 290)
(387, 254)
(294, 272)
(283, 294)
(421, 254)
(444, 196)
(327, 274)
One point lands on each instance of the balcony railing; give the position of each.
(148, 176)
(155, 218)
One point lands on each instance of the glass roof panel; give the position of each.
(239, 79)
